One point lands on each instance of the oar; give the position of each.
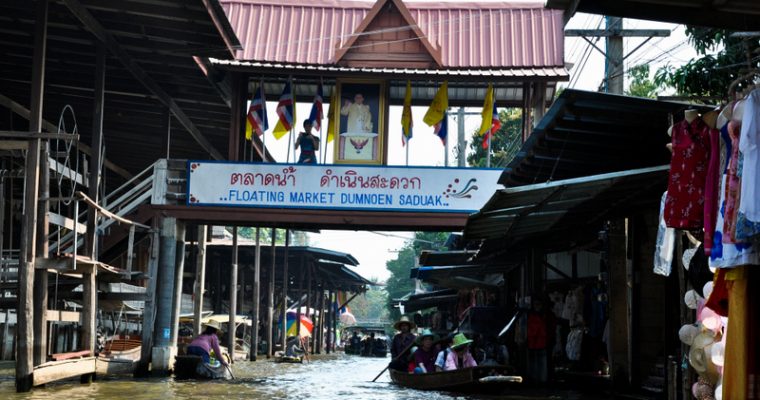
(396, 358)
(509, 324)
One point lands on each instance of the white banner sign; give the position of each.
(344, 187)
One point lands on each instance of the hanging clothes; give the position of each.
(666, 239)
(730, 255)
(712, 189)
(733, 186)
(684, 205)
(750, 140)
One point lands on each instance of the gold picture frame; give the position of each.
(360, 121)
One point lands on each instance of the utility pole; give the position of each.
(461, 136)
(614, 56)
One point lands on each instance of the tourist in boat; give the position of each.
(369, 341)
(309, 144)
(207, 341)
(401, 343)
(355, 343)
(424, 357)
(440, 360)
(293, 347)
(459, 357)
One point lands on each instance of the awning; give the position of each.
(590, 133)
(457, 257)
(434, 298)
(727, 14)
(563, 210)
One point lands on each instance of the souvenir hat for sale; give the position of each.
(691, 299)
(404, 320)
(699, 270)
(427, 333)
(700, 357)
(687, 333)
(460, 340)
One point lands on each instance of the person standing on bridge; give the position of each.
(309, 144)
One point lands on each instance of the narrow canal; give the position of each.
(329, 377)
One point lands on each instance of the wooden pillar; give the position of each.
(149, 311)
(270, 296)
(255, 312)
(328, 320)
(41, 275)
(309, 296)
(299, 297)
(27, 253)
(619, 363)
(285, 282)
(179, 273)
(89, 312)
(233, 294)
(539, 102)
(334, 321)
(200, 280)
(238, 98)
(162, 351)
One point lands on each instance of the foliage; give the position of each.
(371, 305)
(399, 284)
(504, 144)
(641, 85)
(711, 74)
(297, 238)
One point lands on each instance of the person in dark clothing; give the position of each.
(401, 343)
(309, 144)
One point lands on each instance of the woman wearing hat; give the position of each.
(424, 357)
(401, 342)
(308, 143)
(207, 341)
(460, 356)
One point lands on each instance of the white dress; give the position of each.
(748, 146)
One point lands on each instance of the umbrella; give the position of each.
(347, 319)
(306, 324)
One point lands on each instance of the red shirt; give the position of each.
(536, 331)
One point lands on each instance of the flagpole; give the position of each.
(446, 141)
(488, 156)
(293, 122)
(407, 151)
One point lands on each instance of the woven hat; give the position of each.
(404, 320)
(687, 333)
(700, 356)
(460, 340)
(214, 324)
(427, 333)
(691, 299)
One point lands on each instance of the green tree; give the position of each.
(721, 60)
(641, 85)
(371, 305)
(297, 238)
(400, 283)
(504, 144)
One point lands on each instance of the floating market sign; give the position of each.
(339, 187)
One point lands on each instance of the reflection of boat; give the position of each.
(193, 367)
(477, 380)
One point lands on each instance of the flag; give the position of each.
(257, 121)
(490, 123)
(317, 114)
(437, 109)
(286, 112)
(331, 125)
(442, 127)
(406, 115)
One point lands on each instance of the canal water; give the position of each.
(329, 377)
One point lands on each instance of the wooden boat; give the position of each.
(288, 359)
(193, 367)
(473, 380)
(120, 356)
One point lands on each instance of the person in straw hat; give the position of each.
(424, 357)
(207, 341)
(401, 342)
(460, 356)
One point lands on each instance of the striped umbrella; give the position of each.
(306, 324)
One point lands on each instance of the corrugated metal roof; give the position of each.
(470, 35)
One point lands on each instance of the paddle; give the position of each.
(511, 321)
(396, 358)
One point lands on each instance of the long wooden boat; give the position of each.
(473, 380)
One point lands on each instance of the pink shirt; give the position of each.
(208, 342)
(452, 362)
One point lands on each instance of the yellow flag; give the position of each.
(333, 112)
(487, 112)
(248, 130)
(438, 107)
(406, 114)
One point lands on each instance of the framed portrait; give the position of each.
(360, 122)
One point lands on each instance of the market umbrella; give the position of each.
(306, 324)
(347, 319)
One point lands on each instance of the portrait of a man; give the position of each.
(360, 123)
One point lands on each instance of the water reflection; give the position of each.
(329, 377)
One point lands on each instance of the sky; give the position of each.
(373, 250)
